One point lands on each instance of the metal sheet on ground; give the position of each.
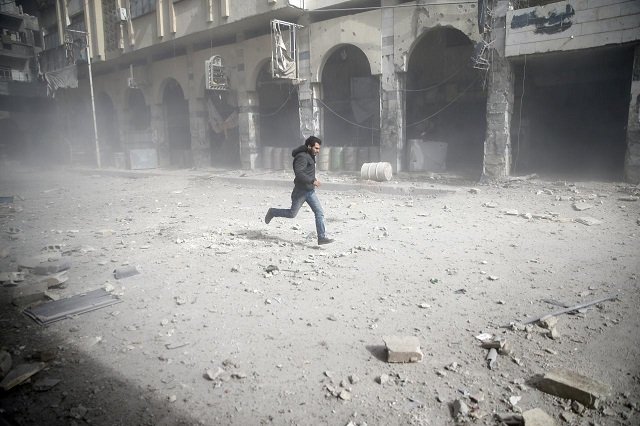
(57, 310)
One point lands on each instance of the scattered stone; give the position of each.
(577, 407)
(628, 198)
(424, 305)
(510, 212)
(125, 272)
(459, 409)
(490, 205)
(492, 278)
(382, 379)
(492, 357)
(567, 384)
(172, 398)
(238, 376)
(484, 337)
(474, 190)
(513, 400)
(587, 220)
(452, 367)
(52, 267)
(403, 349)
(568, 417)
(548, 322)
(537, 417)
(553, 334)
(477, 397)
(235, 268)
(78, 412)
(345, 395)
(180, 300)
(211, 375)
(580, 206)
(353, 379)
(270, 269)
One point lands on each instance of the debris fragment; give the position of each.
(567, 384)
(403, 349)
(125, 272)
(492, 357)
(537, 417)
(588, 220)
(5, 363)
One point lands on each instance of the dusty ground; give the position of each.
(443, 268)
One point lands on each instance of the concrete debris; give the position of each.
(580, 206)
(459, 409)
(483, 337)
(628, 198)
(125, 272)
(52, 267)
(403, 349)
(510, 212)
(78, 412)
(20, 374)
(382, 379)
(212, 375)
(587, 220)
(345, 395)
(492, 357)
(513, 400)
(353, 379)
(548, 322)
(11, 277)
(537, 417)
(570, 385)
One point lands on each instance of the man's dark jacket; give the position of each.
(304, 167)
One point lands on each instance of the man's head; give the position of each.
(313, 145)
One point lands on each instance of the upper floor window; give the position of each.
(142, 7)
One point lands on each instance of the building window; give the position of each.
(142, 7)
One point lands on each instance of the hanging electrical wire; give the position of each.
(437, 84)
(270, 114)
(444, 107)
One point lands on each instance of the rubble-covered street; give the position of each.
(224, 320)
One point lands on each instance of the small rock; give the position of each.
(403, 349)
(345, 395)
(460, 409)
(382, 379)
(353, 379)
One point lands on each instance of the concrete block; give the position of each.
(403, 348)
(537, 417)
(567, 384)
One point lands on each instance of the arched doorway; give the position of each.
(177, 128)
(445, 105)
(351, 101)
(279, 110)
(108, 134)
(222, 128)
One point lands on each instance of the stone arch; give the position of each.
(351, 104)
(445, 104)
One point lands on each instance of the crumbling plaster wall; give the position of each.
(361, 30)
(632, 158)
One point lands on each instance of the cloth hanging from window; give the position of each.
(64, 78)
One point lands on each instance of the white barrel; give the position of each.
(277, 158)
(267, 157)
(380, 172)
(323, 158)
(350, 153)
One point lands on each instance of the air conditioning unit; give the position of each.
(122, 14)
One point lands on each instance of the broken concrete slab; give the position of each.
(20, 374)
(403, 349)
(45, 384)
(52, 267)
(570, 385)
(537, 417)
(580, 206)
(125, 272)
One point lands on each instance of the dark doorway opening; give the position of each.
(279, 111)
(445, 105)
(224, 136)
(178, 133)
(108, 135)
(351, 101)
(571, 120)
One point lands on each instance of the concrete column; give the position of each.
(392, 99)
(632, 157)
(248, 114)
(158, 135)
(497, 144)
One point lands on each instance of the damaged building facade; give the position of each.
(484, 88)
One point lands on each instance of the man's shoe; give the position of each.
(268, 216)
(325, 240)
